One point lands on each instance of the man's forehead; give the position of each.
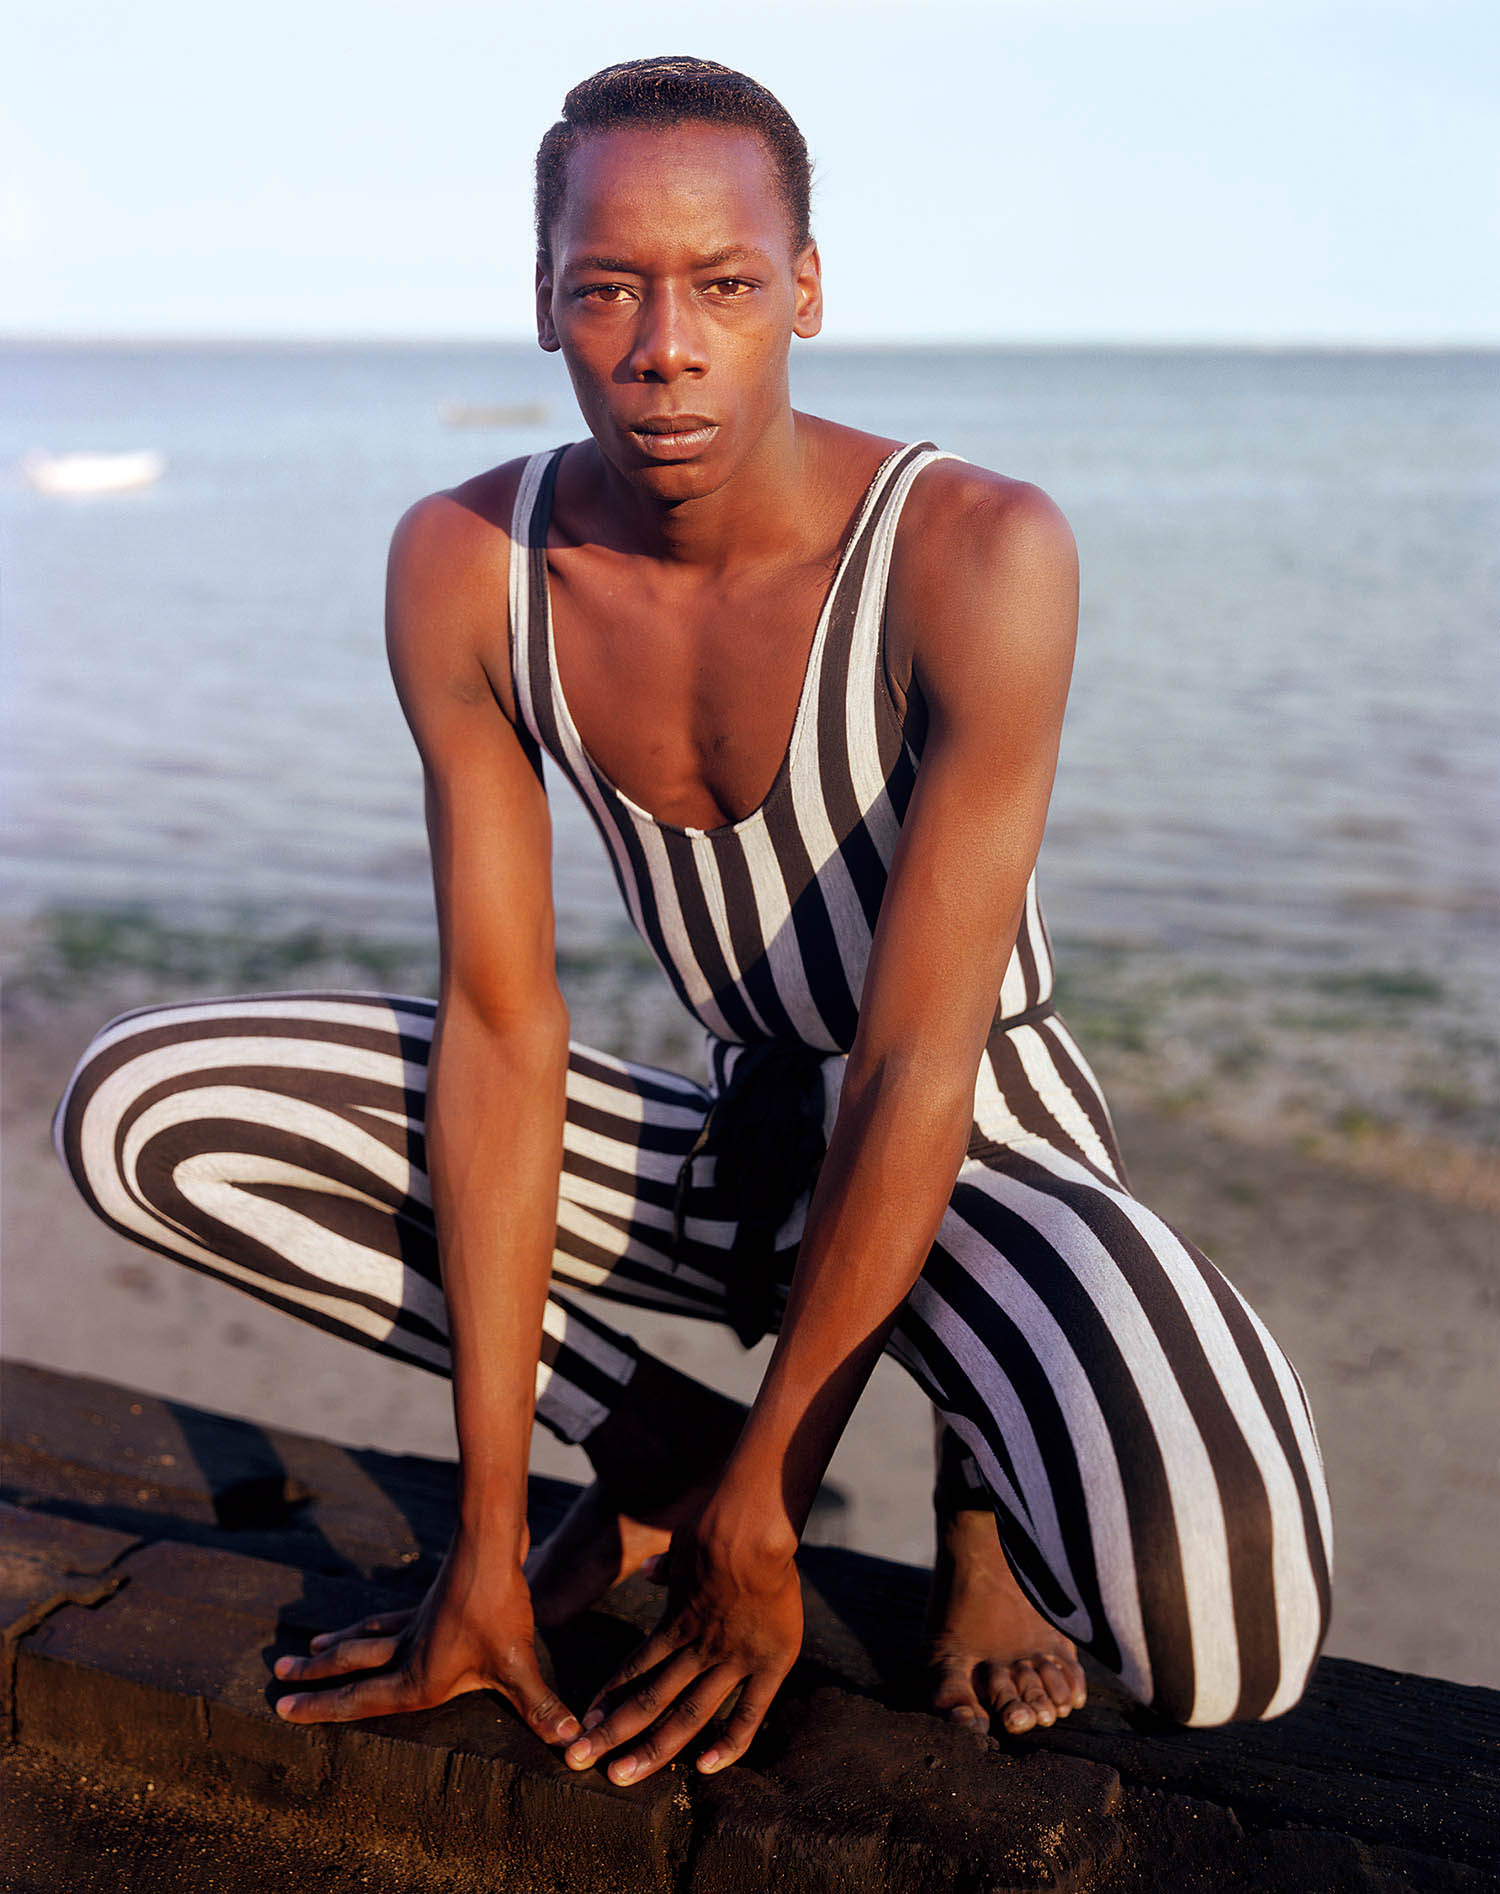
(696, 161)
(676, 197)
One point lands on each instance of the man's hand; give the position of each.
(732, 1622)
(473, 1631)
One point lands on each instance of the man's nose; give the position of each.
(668, 339)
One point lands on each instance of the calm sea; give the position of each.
(1283, 740)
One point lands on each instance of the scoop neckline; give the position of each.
(757, 815)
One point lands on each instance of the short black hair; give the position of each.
(673, 89)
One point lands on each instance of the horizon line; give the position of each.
(1260, 345)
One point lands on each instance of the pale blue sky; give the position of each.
(1022, 170)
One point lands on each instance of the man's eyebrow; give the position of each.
(736, 253)
(620, 266)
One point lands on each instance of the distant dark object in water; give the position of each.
(492, 414)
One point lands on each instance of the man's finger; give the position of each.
(640, 1702)
(693, 1708)
(542, 1708)
(744, 1720)
(353, 1653)
(646, 1657)
(371, 1696)
(382, 1624)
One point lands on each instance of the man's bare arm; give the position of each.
(993, 592)
(989, 582)
(494, 1125)
(495, 1092)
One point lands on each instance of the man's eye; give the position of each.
(604, 292)
(732, 286)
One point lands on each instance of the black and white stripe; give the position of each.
(277, 1142)
(764, 926)
(1146, 1446)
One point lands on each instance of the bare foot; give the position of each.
(591, 1549)
(989, 1653)
(657, 1457)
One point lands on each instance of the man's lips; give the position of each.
(670, 436)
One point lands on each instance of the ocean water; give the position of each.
(1282, 750)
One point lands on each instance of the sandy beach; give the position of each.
(1375, 1260)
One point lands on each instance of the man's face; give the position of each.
(673, 296)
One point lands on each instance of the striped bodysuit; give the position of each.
(1146, 1446)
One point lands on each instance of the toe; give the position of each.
(1014, 1713)
(951, 1693)
(1057, 1678)
(1034, 1691)
(969, 1716)
(1018, 1717)
(1077, 1683)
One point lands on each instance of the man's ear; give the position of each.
(808, 317)
(546, 334)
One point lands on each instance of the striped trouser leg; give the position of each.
(1146, 1445)
(276, 1141)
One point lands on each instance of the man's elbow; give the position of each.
(529, 1036)
(921, 1088)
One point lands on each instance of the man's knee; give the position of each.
(67, 1118)
(103, 1093)
(1241, 1662)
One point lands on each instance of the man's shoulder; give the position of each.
(961, 512)
(471, 519)
(447, 586)
(980, 558)
(956, 510)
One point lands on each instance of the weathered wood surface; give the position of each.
(155, 1559)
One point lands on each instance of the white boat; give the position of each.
(492, 413)
(92, 473)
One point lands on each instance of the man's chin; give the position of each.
(673, 480)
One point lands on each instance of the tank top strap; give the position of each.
(875, 522)
(530, 670)
(867, 675)
(848, 766)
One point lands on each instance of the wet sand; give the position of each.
(1378, 1269)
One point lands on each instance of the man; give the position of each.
(810, 684)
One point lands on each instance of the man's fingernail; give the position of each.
(286, 1705)
(624, 1769)
(709, 1761)
(282, 1667)
(568, 1728)
(593, 1719)
(578, 1756)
